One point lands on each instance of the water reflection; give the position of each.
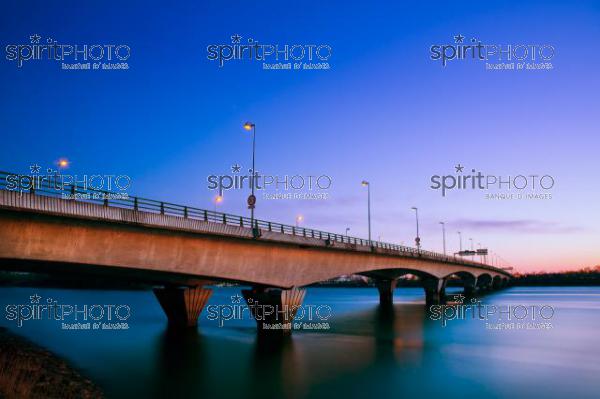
(181, 361)
(369, 350)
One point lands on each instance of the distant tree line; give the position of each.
(586, 276)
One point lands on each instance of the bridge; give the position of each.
(182, 250)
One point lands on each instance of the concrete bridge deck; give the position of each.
(169, 246)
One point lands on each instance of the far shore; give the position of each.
(584, 277)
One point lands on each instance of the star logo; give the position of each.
(35, 39)
(459, 168)
(35, 168)
(459, 38)
(459, 298)
(236, 298)
(235, 39)
(235, 168)
(35, 298)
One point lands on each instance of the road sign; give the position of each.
(482, 251)
(467, 253)
(251, 201)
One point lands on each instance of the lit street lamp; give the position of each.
(366, 184)
(218, 199)
(252, 199)
(63, 163)
(417, 238)
(299, 218)
(444, 235)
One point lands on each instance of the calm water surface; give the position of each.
(367, 351)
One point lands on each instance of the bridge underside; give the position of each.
(53, 244)
(181, 264)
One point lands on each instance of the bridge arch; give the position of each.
(484, 281)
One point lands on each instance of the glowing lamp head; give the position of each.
(248, 126)
(219, 199)
(63, 163)
(299, 218)
(365, 183)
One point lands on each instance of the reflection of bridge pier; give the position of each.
(182, 354)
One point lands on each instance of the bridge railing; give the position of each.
(53, 186)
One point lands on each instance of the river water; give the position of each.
(366, 352)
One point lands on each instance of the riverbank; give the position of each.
(29, 371)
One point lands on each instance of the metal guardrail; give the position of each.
(73, 192)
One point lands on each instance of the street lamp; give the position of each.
(472, 250)
(63, 163)
(444, 235)
(218, 199)
(299, 218)
(460, 240)
(252, 199)
(417, 238)
(347, 230)
(368, 185)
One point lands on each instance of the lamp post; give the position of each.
(347, 230)
(299, 218)
(460, 241)
(472, 249)
(63, 163)
(444, 235)
(417, 238)
(368, 185)
(218, 200)
(252, 199)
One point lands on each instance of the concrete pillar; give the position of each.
(274, 309)
(496, 283)
(435, 290)
(470, 287)
(386, 291)
(182, 305)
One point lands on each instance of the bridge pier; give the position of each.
(435, 291)
(386, 291)
(470, 287)
(274, 309)
(182, 305)
(496, 283)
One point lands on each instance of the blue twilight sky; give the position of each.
(384, 112)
